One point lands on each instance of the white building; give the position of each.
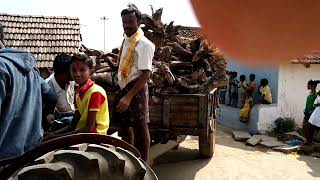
(289, 87)
(292, 85)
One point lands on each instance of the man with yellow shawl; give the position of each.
(135, 65)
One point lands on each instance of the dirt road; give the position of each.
(234, 160)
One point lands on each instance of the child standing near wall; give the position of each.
(234, 89)
(247, 106)
(229, 74)
(314, 121)
(243, 88)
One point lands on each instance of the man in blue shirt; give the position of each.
(22, 93)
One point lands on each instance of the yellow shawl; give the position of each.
(128, 59)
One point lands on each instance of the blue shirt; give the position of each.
(22, 91)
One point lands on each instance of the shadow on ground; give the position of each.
(188, 164)
(313, 165)
(255, 162)
(187, 161)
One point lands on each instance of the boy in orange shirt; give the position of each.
(92, 113)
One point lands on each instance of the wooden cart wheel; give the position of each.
(207, 142)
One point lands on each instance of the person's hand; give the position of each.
(124, 103)
(76, 88)
(265, 32)
(50, 118)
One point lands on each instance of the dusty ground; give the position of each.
(233, 160)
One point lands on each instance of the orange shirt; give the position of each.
(252, 86)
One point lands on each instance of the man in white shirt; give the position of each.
(135, 65)
(60, 82)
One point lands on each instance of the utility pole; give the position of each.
(104, 18)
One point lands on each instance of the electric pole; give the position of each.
(104, 18)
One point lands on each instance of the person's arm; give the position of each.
(260, 90)
(67, 130)
(91, 121)
(71, 127)
(317, 102)
(89, 128)
(126, 100)
(48, 96)
(49, 101)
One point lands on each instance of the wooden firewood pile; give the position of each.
(181, 65)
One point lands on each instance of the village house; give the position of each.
(288, 83)
(43, 36)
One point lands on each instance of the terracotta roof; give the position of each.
(189, 32)
(43, 36)
(313, 58)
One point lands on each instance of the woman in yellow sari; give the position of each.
(248, 104)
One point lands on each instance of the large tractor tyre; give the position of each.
(87, 162)
(207, 142)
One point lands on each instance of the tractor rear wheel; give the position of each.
(87, 161)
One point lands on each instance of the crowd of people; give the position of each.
(244, 90)
(70, 98)
(242, 93)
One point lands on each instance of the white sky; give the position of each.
(90, 11)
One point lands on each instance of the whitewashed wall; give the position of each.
(293, 91)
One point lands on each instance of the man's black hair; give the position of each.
(313, 82)
(130, 10)
(235, 74)
(264, 82)
(82, 58)
(242, 77)
(253, 76)
(1, 34)
(61, 63)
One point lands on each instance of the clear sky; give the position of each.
(90, 11)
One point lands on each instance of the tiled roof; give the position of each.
(189, 32)
(313, 58)
(43, 36)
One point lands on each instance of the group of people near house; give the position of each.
(72, 97)
(241, 93)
